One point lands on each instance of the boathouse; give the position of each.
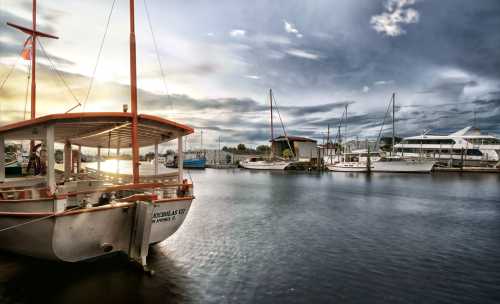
(303, 148)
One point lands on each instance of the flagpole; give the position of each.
(33, 65)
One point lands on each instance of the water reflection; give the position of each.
(110, 279)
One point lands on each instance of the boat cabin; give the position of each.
(91, 130)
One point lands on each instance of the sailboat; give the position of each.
(357, 161)
(398, 164)
(76, 216)
(272, 162)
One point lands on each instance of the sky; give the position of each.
(220, 58)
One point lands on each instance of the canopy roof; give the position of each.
(101, 129)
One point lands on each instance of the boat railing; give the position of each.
(156, 191)
(118, 178)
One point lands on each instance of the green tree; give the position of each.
(241, 147)
(263, 149)
(287, 153)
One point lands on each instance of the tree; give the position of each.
(225, 149)
(263, 149)
(241, 147)
(287, 153)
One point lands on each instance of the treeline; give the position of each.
(242, 149)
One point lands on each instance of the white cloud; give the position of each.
(303, 54)
(252, 77)
(210, 34)
(290, 28)
(366, 89)
(237, 33)
(396, 14)
(383, 82)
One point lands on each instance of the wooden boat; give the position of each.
(79, 215)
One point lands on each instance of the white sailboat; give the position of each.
(273, 162)
(79, 215)
(398, 164)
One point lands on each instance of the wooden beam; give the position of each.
(49, 141)
(180, 159)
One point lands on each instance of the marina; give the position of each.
(264, 236)
(234, 152)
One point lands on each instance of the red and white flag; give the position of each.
(28, 45)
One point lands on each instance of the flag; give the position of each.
(28, 44)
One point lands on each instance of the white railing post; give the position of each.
(68, 165)
(156, 159)
(49, 141)
(98, 162)
(180, 158)
(2, 159)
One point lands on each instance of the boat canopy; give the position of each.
(97, 129)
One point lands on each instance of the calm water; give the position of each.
(260, 237)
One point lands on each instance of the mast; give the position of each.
(133, 96)
(328, 143)
(393, 121)
(33, 65)
(345, 128)
(272, 127)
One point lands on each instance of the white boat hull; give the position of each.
(403, 166)
(265, 165)
(348, 167)
(79, 235)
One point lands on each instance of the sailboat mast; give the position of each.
(33, 65)
(133, 95)
(272, 127)
(345, 128)
(393, 121)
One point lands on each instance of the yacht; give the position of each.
(467, 144)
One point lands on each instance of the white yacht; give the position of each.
(467, 144)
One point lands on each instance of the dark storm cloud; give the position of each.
(450, 88)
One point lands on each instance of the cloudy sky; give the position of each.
(219, 59)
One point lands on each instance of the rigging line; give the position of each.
(9, 73)
(158, 55)
(101, 47)
(282, 125)
(27, 90)
(53, 67)
(383, 124)
(38, 219)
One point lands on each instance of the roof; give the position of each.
(294, 138)
(97, 129)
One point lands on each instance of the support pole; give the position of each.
(98, 162)
(67, 160)
(156, 159)
(79, 161)
(118, 161)
(180, 159)
(393, 121)
(133, 96)
(272, 126)
(2, 159)
(51, 178)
